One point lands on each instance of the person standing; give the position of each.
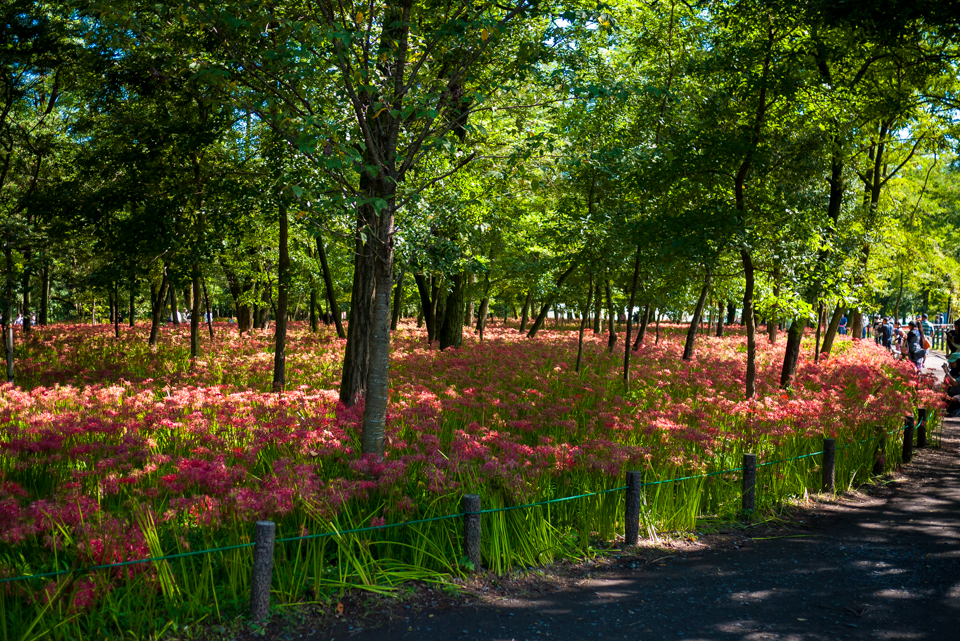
(926, 326)
(843, 325)
(953, 338)
(915, 351)
(886, 333)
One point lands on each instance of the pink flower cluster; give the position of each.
(194, 446)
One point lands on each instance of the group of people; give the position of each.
(951, 381)
(911, 343)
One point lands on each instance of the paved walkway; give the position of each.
(883, 565)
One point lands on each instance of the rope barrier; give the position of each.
(126, 563)
(418, 521)
(370, 528)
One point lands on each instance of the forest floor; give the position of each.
(879, 563)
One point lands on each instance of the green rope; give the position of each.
(417, 522)
(369, 528)
(493, 510)
(125, 563)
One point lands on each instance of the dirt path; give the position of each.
(878, 565)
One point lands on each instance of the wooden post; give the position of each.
(471, 529)
(907, 439)
(264, 536)
(921, 427)
(631, 517)
(829, 464)
(749, 500)
(880, 456)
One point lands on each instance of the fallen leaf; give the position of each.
(339, 608)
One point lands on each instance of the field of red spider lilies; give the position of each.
(111, 452)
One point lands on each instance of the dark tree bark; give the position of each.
(748, 275)
(633, 300)
(831, 333)
(820, 323)
(206, 303)
(328, 283)
(482, 316)
(598, 309)
(44, 294)
(283, 284)
(525, 312)
(611, 319)
(719, 319)
(397, 300)
(238, 290)
(116, 309)
(359, 329)
(427, 306)
(549, 301)
(583, 323)
(792, 351)
(642, 331)
(469, 293)
(8, 310)
(27, 320)
(451, 332)
(688, 346)
(731, 313)
(195, 311)
(174, 308)
(133, 299)
(156, 316)
(314, 321)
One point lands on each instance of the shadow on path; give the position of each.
(883, 566)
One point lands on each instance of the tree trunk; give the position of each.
(626, 341)
(174, 308)
(549, 301)
(792, 353)
(816, 343)
(748, 274)
(283, 294)
(856, 324)
(133, 307)
(238, 289)
(8, 313)
(44, 294)
(831, 333)
(116, 309)
(598, 309)
(719, 318)
(468, 315)
(482, 315)
(378, 378)
(451, 333)
(195, 312)
(328, 283)
(688, 346)
(525, 313)
(426, 306)
(642, 331)
(583, 323)
(611, 327)
(314, 321)
(362, 300)
(206, 303)
(397, 300)
(156, 315)
(27, 321)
